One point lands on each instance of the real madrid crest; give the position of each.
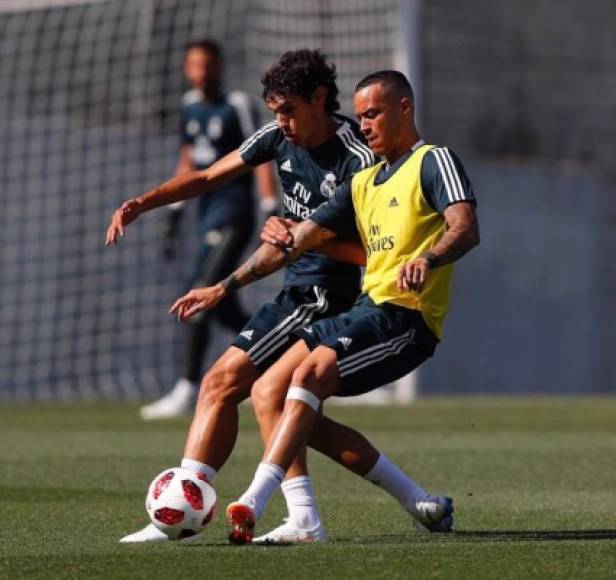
(328, 185)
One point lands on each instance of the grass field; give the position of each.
(534, 482)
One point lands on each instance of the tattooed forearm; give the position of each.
(461, 236)
(230, 283)
(269, 258)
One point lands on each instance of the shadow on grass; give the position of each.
(489, 536)
(535, 535)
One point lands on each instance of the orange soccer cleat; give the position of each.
(242, 520)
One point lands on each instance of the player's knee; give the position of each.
(268, 396)
(318, 373)
(222, 385)
(304, 375)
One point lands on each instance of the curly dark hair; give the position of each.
(300, 72)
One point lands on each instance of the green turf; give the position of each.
(534, 482)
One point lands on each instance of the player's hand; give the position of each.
(413, 275)
(124, 215)
(277, 231)
(197, 300)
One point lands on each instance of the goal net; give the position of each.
(89, 99)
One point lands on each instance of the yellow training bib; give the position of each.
(397, 224)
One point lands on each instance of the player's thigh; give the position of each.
(230, 378)
(270, 332)
(376, 349)
(374, 345)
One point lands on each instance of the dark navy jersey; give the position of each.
(212, 130)
(443, 182)
(309, 178)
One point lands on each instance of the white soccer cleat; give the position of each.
(289, 534)
(148, 534)
(435, 514)
(178, 402)
(151, 534)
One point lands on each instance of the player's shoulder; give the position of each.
(352, 139)
(192, 97)
(441, 160)
(441, 156)
(444, 178)
(268, 134)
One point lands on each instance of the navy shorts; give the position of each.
(269, 333)
(375, 344)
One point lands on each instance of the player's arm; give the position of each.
(350, 251)
(279, 231)
(461, 236)
(268, 258)
(179, 188)
(449, 192)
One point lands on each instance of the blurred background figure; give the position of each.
(213, 123)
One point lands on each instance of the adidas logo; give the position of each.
(247, 334)
(286, 166)
(345, 342)
(393, 202)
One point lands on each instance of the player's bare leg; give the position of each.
(214, 428)
(303, 523)
(213, 432)
(287, 440)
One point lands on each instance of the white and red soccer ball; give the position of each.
(180, 502)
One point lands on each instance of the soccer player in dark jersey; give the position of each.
(415, 215)
(315, 149)
(213, 123)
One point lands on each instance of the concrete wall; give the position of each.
(522, 77)
(533, 308)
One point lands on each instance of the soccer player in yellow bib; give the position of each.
(415, 216)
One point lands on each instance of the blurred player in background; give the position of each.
(213, 123)
(314, 149)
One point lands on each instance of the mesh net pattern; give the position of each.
(89, 98)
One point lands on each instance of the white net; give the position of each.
(89, 97)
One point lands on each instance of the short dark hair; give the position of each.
(300, 72)
(389, 78)
(205, 45)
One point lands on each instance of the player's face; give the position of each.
(295, 116)
(382, 118)
(202, 69)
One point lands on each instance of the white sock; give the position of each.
(395, 482)
(267, 480)
(301, 502)
(186, 383)
(199, 467)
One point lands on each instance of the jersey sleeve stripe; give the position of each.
(241, 103)
(444, 175)
(254, 138)
(452, 166)
(362, 146)
(363, 156)
(371, 159)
